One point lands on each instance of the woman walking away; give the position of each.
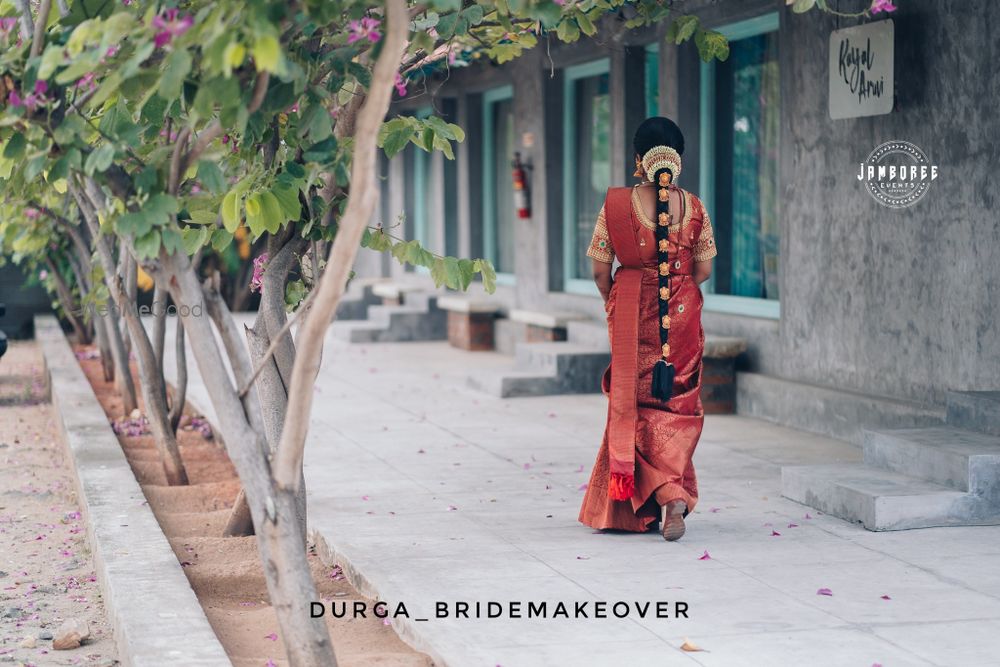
(662, 236)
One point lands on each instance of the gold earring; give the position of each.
(638, 170)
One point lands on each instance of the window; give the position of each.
(499, 216)
(428, 219)
(586, 156)
(652, 80)
(740, 126)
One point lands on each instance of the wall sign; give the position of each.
(861, 70)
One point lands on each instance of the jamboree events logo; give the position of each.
(897, 174)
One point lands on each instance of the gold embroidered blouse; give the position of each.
(703, 250)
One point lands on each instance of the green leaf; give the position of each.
(15, 146)
(288, 199)
(711, 45)
(394, 135)
(681, 29)
(220, 239)
(266, 53)
(315, 123)
(271, 212)
(255, 215)
(195, 238)
(438, 272)
(175, 68)
(321, 152)
(173, 242)
(210, 176)
(147, 246)
(802, 6)
(488, 274)
(231, 211)
(99, 159)
(452, 272)
(586, 25)
(568, 31)
(295, 291)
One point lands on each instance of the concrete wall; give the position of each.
(896, 303)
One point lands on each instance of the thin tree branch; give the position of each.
(287, 469)
(38, 40)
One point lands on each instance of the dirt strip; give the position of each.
(226, 573)
(46, 570)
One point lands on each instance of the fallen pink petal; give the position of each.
(705, 556)
(824, 591)
(273, 637)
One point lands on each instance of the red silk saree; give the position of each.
(648, 442)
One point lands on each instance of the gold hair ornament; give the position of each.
(661, 157)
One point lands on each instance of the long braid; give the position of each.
(663, 371)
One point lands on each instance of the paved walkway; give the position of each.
(427, 491)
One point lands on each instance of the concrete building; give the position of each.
(855, 315)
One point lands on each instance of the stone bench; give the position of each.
(394, 293)
(542, 327)
(718, 375)
(470, 322)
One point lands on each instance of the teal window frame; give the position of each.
(652, 79)
(726, 303)
(490, 99)
(420, 158)
(570, 76)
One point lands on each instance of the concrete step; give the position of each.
(589, 333)
(963, 460)
(396, 324)
(559, 356)
(974, 410)
(832, 412)
(545, 369)
(359, 296)
(883, 500)
(515, 384)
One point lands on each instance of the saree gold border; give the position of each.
(649, 224)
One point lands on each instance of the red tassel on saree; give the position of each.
(645, 456)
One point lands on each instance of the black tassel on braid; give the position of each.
(663, 371)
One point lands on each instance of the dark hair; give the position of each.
(660, 131)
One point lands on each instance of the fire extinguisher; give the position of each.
(521, 203)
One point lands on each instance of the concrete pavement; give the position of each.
(427, 491)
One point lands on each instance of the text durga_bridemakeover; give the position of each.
(541, 609)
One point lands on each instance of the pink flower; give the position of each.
(87, 81)
(258, 273)
(32, 100)
(170, 24)
(882, 6)
(43, 274)
(366, 28)
(7, 26)
(31, 213)
(400, 85)
(112, 51)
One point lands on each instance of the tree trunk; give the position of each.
(123, 377)
(68, 303)
(180, 388)
(279, 539)
(127, 269)
(154, 397)
(361, 204)
(159, 324)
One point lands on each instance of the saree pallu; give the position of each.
(664, 434)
